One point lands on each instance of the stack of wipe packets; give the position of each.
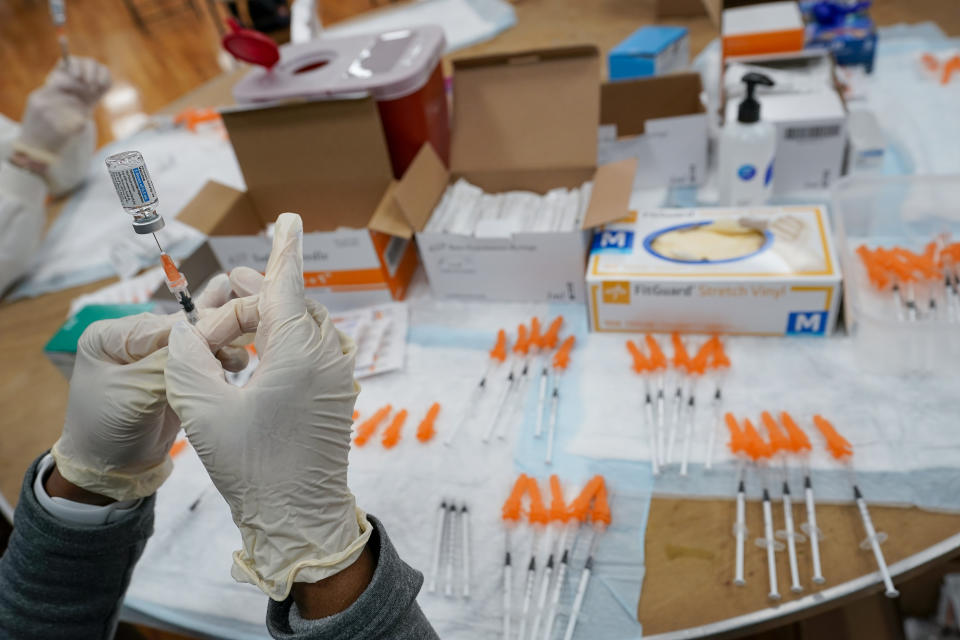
(466, 210)
(380, 333)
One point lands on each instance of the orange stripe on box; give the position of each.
(354, 277)
(750, 44)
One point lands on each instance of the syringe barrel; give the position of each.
(135, 189)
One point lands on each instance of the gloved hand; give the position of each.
(277, 448)
(119, 427)
(61, 107)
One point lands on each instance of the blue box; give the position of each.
(847, 32)
(650, 51)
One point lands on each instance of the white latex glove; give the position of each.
(119, 428)
(21, 221)
(62, 106)
(277, 448)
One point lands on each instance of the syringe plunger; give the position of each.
(138, 197)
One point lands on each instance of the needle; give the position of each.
(497, 356)
(561, 359)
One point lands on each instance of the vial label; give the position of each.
(134, 186)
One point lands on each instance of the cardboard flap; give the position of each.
(388, 217)
(631, 103)
(612, 186)
(529, 110)
(421, 187)
(219, 210)
(326, 160)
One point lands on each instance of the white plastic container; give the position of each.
(905, 211)
(747, 148)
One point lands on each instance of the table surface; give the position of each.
(689, 546)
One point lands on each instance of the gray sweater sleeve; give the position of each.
(61, 580)
(386, 609)
(64, 581)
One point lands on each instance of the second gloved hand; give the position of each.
(62, 106)
(277, 448)
(119, 428)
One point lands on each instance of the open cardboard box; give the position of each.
(659, 121)
(327, 161)
(522, 121)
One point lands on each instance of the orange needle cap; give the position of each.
(799, 442)
(391, 435)
(499, 351)
(657, 359)
(369, 426)
(426, 430)
(640, 362)
(553, 333)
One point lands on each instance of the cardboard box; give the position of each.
(770, 27)
(650, 51)
(786, 287)
(666, 9)
(811, 139)
(521, 121)
(327, 161)
(659, 121)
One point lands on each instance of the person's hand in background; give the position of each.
(277, 448)
(119, 428)
(60, 108)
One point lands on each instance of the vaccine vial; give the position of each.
(138, 197)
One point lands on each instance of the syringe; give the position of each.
(600, 515)
(547, 341)
(177, 284)
(738, 445)
(561, 359)
(681, 366)
(720, 365)
(642, 367)
(658, 365)
(873, 542)
(58, 12)
(780, 443)
(800, 444)
(437, 547)
(498, 356)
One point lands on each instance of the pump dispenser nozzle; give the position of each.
(750, 107)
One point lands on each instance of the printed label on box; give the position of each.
(763, 271)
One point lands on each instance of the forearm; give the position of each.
(62, 580)
(386, 607)
(22, 199)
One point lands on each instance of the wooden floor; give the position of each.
(179, 49)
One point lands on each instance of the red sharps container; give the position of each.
(401, 69)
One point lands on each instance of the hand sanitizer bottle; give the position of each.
(746, 151)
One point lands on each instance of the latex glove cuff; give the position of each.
(278, 584)
(116, 484)
(34, 153)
